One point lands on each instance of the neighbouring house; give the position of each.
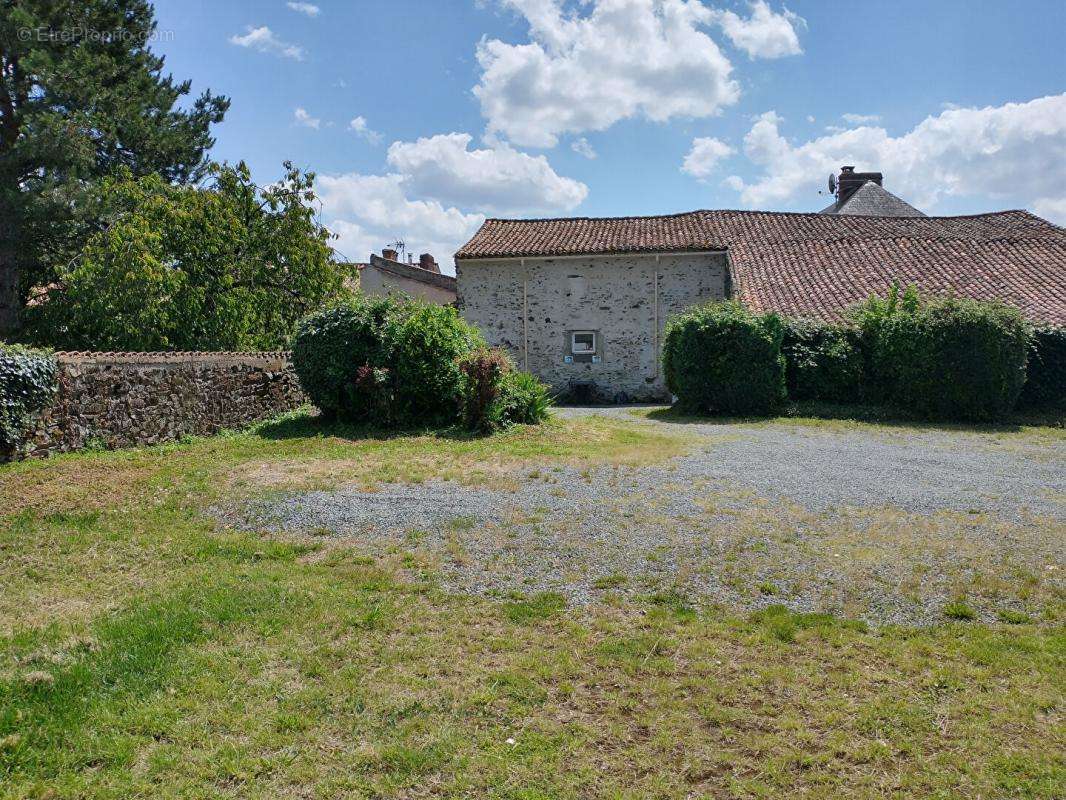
(386, 274)
(582, 302)
(862, 194)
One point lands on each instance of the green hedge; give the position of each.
(822, 361)
(948, 359)
(384, 361)
(721, 357)
(28, 382)
(1045, 387)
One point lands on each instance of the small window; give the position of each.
(583, 342)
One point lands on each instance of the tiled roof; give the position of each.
(818, 265)
(873, 200)
(500, 238)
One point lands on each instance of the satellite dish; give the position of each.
(832, 183)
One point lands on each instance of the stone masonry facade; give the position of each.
(532, 306)
(130, 399)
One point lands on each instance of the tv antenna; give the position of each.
(400, 246)
(832, 183)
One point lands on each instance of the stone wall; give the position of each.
(130, 399)
(531, 306)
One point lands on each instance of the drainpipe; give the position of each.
(525, 319)
(655, 318)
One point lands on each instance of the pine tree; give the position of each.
(81, 95)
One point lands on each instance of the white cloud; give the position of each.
(369, 211)
(497, 180)
(810, 118)
(625, 58)
(437, 193)
(765, 34)
(309, 9)
(583, 148)
(1052, 208)
(360, 127)
(306, 120)
(1016, 150)
(860, 119)
(704, 156)
(264, 40)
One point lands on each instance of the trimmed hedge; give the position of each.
(822, 361)
(950, 359)
(1045, 387)
(384, 361)
(721, 357)
(28, 382)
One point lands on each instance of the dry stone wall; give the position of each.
(129, 399)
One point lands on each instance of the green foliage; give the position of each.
(384, 361)
(960, 611)
(524, 400)
(1045, 386)
(28, 381)
(538, 607)
(946, 359)
(723, 358)
(330, 348)
(427, 343)
(230, 267)
(496, 395)
(822, 361)
(483, 371)
(84, 97)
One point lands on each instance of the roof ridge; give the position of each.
(752, 211)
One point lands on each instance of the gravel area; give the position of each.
(887, 525)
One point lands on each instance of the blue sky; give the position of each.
(421, 117)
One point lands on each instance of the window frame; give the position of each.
(583, 352)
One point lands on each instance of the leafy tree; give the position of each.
(81, 96)
(226, 267)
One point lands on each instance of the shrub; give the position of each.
(496, 395)
(822, 361)
(1045, 385)
(869, 318)
(723, 358)
(28, 382)
(384, 361)
(426, 343)
(331, 346)
(952, 359)
(524, 400)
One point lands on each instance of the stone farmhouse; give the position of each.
(582, 302)
(387, 274)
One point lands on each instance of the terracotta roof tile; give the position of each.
(818, 265)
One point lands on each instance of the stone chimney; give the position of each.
(427, 262)
(850, 180)
(389, 254)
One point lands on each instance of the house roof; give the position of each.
(817, 265)
(873, 200)
(411, 272)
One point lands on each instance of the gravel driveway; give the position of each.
(884, 524)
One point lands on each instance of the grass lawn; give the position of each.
(146, 652)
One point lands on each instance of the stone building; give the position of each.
(583, 302)
(386, 274)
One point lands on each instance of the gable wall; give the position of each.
(626, 299)
(374, 281)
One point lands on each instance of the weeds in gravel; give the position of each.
(959, 610)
